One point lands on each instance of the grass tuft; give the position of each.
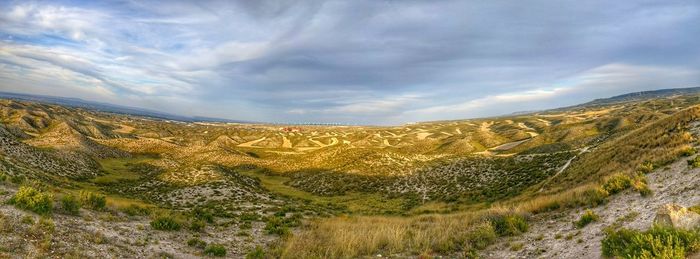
(166, 222)
(588, 217)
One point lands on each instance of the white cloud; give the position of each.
(600, 82)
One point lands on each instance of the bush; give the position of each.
(508, 225)
(257, 253)
(197, 225)
(695, 162)
(587, 218)
(646, 167)
(695, 209)
(165, 222)
(280, 225)
(215, 250)
(92, 200)
(594, 197)
(617, 183)
(197, 243)
(657, 242)
(33, 200)
(275, 225)
(642, 187)
(203, 215)
(70, 204)
(481, 236)
(689, 151)
(135, 210)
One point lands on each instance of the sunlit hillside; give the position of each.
(138, 186)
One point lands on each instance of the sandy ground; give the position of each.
(286, 143)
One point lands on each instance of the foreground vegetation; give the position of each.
(657, 242)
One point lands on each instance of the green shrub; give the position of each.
(246, 225)
(215, 250)
(70, 204)
(197, 243)
(249, 216)
(646, 167)
(257, 253)
(203, 215)
(197, 225)
(165, 222)
(17, 179)
(136, 210)
(275, 226)
(689, 151)
(481, 236)
(33, 200)
(587, 218)
(3, 177)
(594, 197)
(657, 242)
(642, 188)
(695, 209)
(695, 162)
(279, 225)
(92, 200)
(617, 183)
(508, 225)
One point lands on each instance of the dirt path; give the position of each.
(509, 145)
(676, 183)
(568, 163)
(334, 141)
(251, 143)
(386, 143)
(423, 135)
(525, 127)
(546, 122)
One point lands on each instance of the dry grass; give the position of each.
(660, 142)
(346, 237)
(585, 195)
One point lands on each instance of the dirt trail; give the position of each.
(509, 145)
(568, 163)
(548, 123)
(525, 127)
(423, 135)
(676, 183)
(386, 143)
(334, 141)
(251, 143)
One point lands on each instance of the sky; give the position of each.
(353, 62)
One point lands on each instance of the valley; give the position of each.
(147, 187)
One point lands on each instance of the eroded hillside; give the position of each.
(168, 187)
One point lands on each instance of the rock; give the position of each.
(674, 215)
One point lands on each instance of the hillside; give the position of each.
(142, 187)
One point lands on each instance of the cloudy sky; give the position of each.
(358, 62)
